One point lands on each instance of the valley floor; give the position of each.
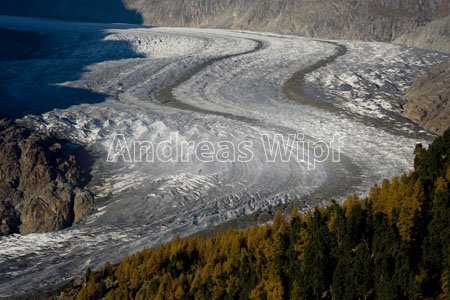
(149, 83)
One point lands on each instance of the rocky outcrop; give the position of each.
(380, 20)
(428, 99)
(9, 220)
(433, 36)
(42, 180)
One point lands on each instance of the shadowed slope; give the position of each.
(35, 68)
(107, 11)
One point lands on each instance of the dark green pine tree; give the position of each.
(319, 262)
(385, 247)
(436, 249)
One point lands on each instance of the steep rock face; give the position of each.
(41, 181)
(428, 99)
(9, 220)
(433, 36)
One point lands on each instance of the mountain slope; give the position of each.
(434, 36)
(381, 20)
(428, 99)
(343, 19)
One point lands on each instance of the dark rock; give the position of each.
(9, 220)
(43, 180)
(428, 99)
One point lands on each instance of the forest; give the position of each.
(393, 244)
